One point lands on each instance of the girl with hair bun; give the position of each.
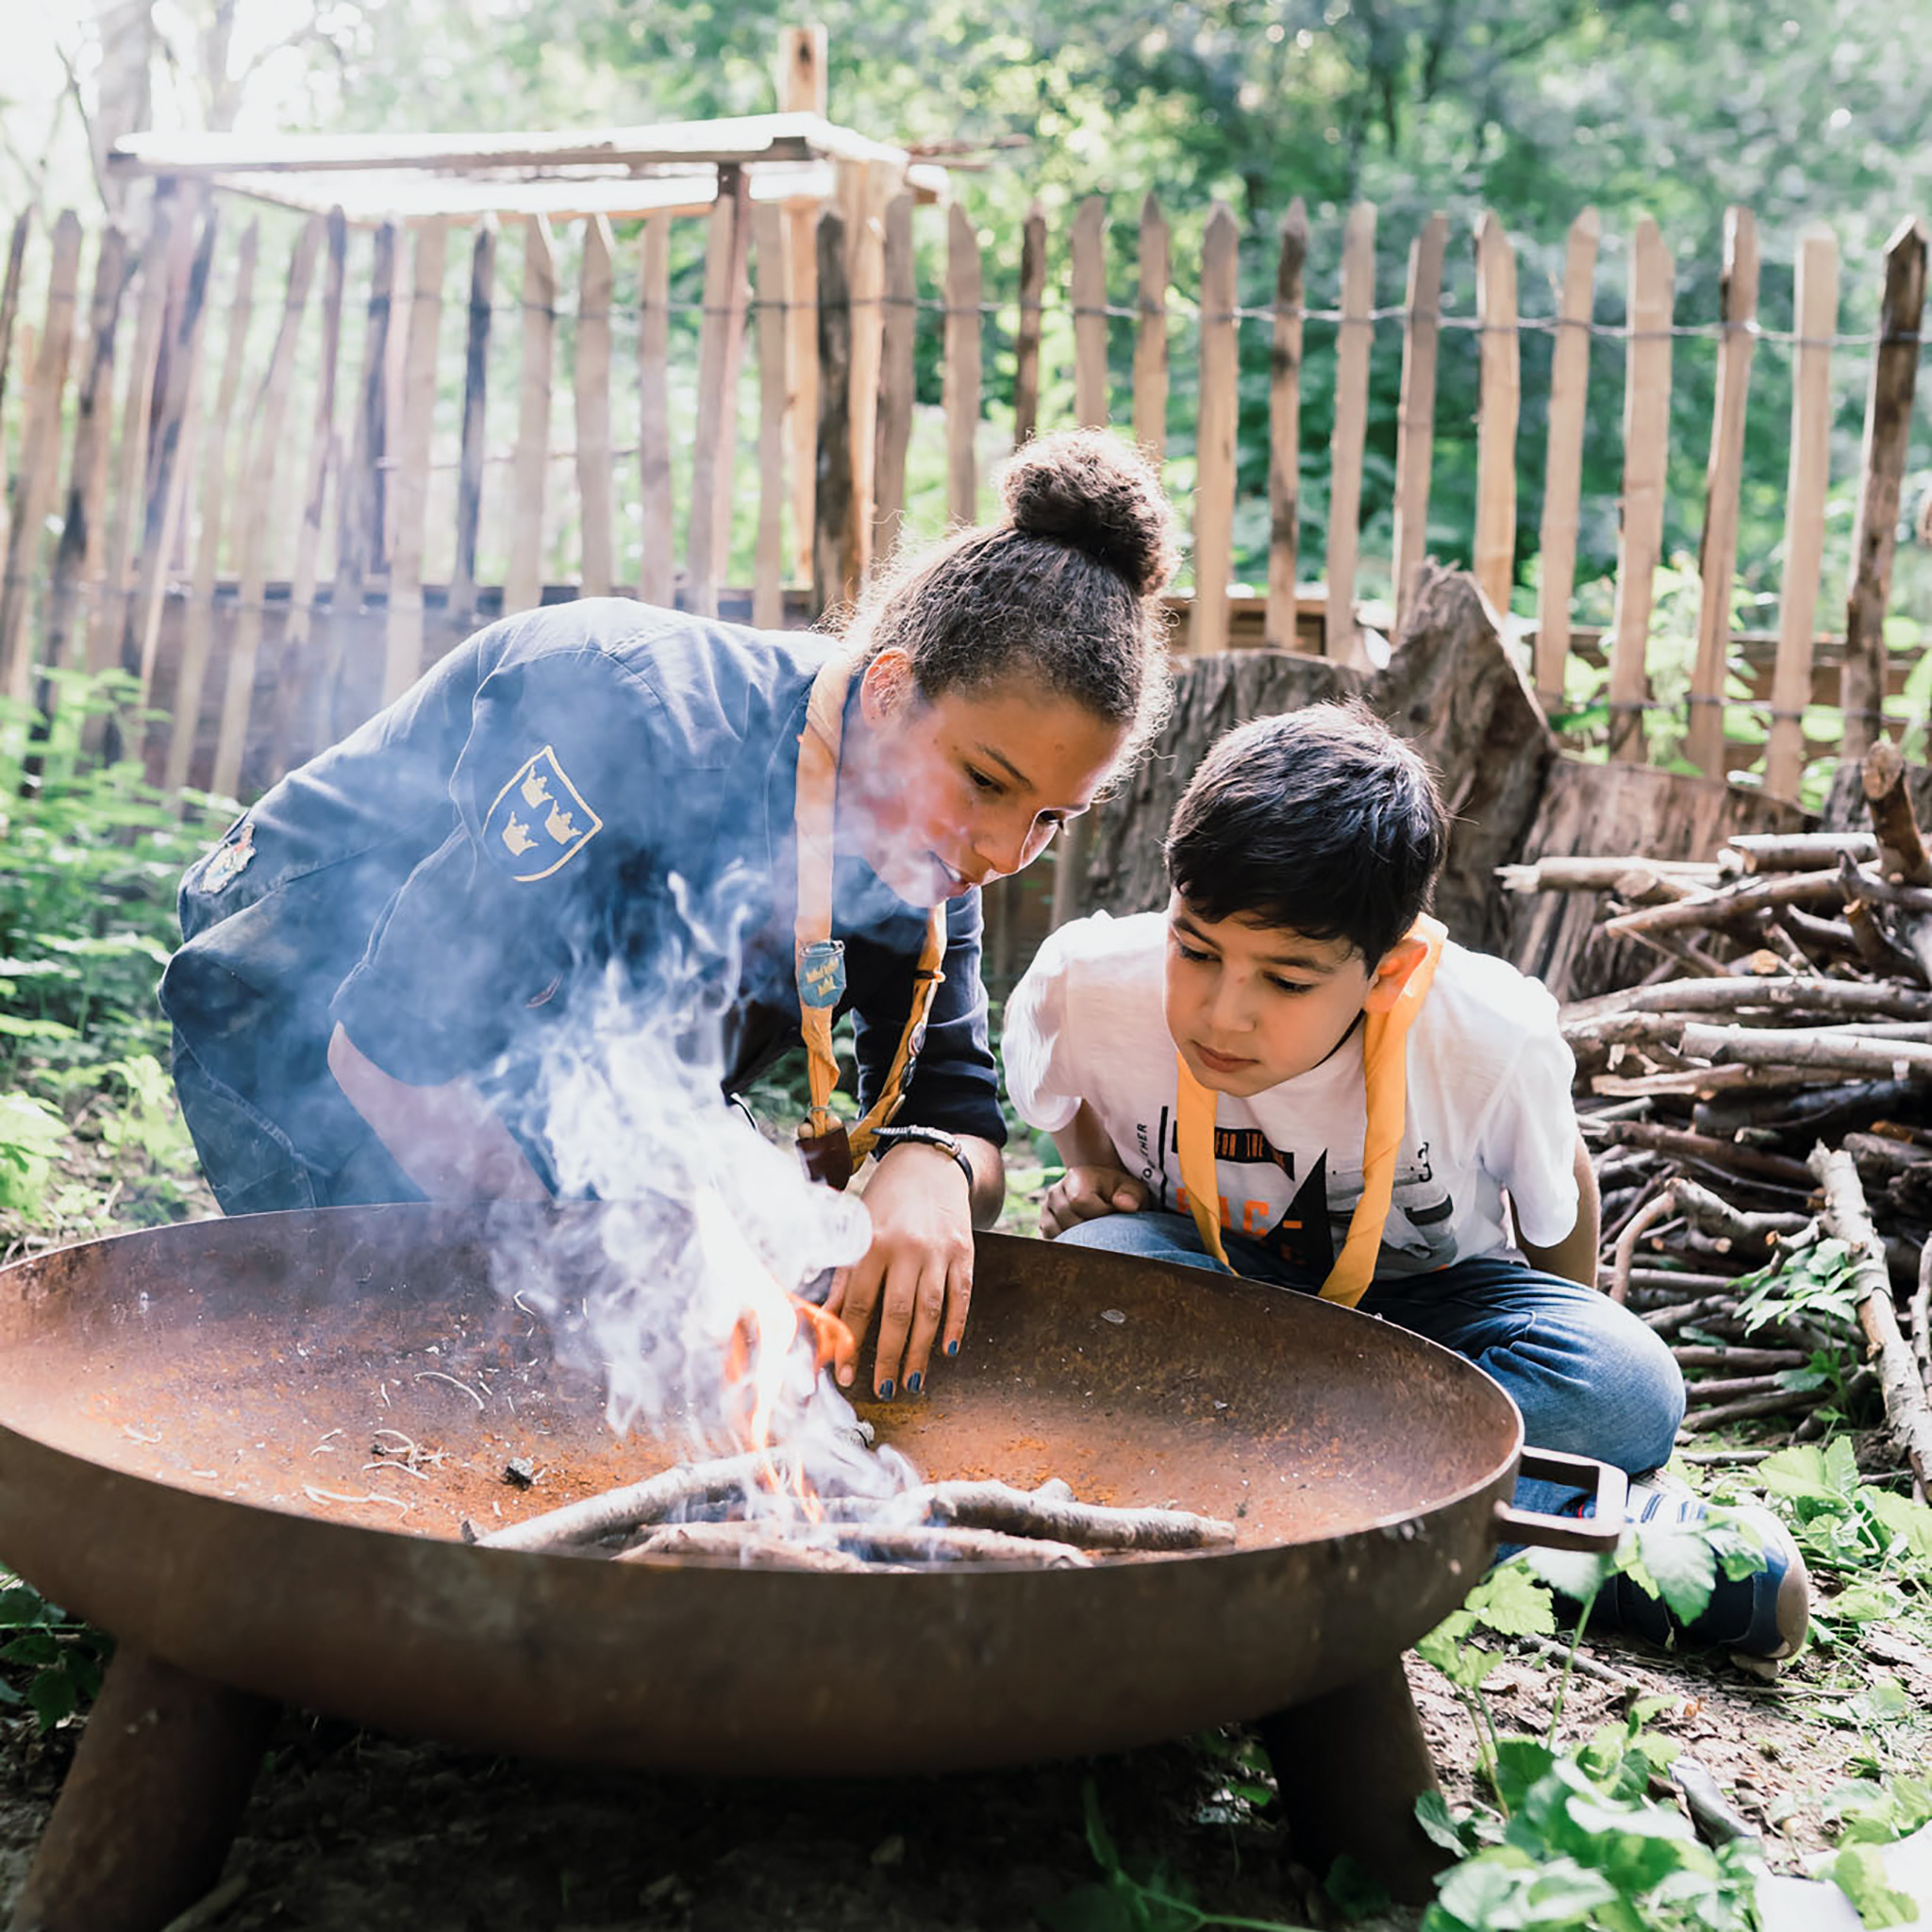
(379, 953)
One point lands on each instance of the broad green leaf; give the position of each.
(1682, 1564)
(1858, 1872)
(1512, 1603)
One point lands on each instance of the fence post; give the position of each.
(896, 392)
(835, 559)
(963, 367)
(1090, 313)
(656, 573)
(1494, 551)
(1564, 460)
(401, 661)
(802, 56)
(127, 511)
(591, 393)
(293, 709)
(39, 459)
(1215, 432)
(707, 532)
(358, 496)
(259, 490)
(1150, 334)
(180, 388)
(1027, 338)
(462, 579)
(1646, 451)
(77, 559)
(1717, 555)
(9, 304)
(768, 569)
(1415, 429)
(1354, 337)
(1285, 429)
(522, 578)
(1874, 530)
(1815, 313)
(197, 631)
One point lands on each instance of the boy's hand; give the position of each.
(1085, 1194)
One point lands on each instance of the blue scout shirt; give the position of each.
(439, 881)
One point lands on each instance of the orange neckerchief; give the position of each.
(818, 960)
(1385, 1073)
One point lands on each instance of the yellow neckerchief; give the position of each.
(830, 1148)
(1385, 1073)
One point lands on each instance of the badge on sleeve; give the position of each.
(538, 822)
(229, 859)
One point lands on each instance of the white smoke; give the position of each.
(705, 1220)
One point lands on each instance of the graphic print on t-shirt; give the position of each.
(1308, 1233)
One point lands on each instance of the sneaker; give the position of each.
(1764, 1614)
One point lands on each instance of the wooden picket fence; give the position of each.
(276, 508)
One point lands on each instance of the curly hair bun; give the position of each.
(1094, 494)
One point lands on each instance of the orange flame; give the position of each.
(762, 1343)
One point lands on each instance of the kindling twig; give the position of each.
(1900, 1381)
(1051, 1511)
(596, 1517)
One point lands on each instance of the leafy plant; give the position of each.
(31, 1132)
(1852, 1529)
(94, 855)
(63, 1659)
(1585, 1850)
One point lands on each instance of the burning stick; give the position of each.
(748, 1544)
(596, 1516)
(949, 1543)
(1050, 1512)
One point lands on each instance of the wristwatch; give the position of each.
(886, 1139)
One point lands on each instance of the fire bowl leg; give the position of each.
(150, 1806)
(1350, 1767)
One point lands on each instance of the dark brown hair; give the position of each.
(1321, 822)
(1064, 589)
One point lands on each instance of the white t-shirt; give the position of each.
(1488, 1104)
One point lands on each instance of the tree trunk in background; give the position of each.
(1454, 692)
(1451, 688)
(124, 92)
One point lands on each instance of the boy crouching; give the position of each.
(1294, 1075)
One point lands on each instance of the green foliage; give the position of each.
(1585, 1850)
(86, 896)
(30, 1133)
(63, 1659)
(1879, 1542)
(1809, 1285)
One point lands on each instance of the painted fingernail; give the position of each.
(912, 1382)
(952, 1348)
(885, 1392)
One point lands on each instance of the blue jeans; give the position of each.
(1586, 1374)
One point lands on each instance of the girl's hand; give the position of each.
(918, 1272)
(1085, 1194)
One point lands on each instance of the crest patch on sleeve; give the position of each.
(538, 822)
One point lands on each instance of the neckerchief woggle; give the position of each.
(1385, 1073)
(830, 1148)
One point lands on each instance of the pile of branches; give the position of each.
(1770, 1080)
